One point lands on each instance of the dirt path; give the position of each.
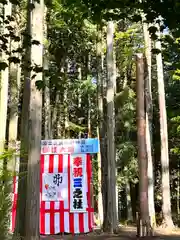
(126, 233)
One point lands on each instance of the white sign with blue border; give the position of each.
(70, 146)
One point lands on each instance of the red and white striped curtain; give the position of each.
(56, 216)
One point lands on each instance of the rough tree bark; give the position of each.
(149, 119)
(47, 95)
(111, 79)
(166, 195)
(35, 123)
(24, 137)
(14, 93)
(79, 98)
(100, 130)
(142, 158)
(128, 199)
(4, 82)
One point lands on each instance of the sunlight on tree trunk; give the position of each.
(99, 197)
(79, 99)
(47, 112)
(166, 196)
(4, 83)
(14, 94)
(111, 79)
(100, 94)
(47, 103)
(142, 157)
(149, 118)
(13, 115)
(24, 139)
(35, 119)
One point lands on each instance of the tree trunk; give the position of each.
(79, 99)
(14, 90)
(47, 103)
(89, 117)
(47, 113)
(178, 194)
(66, 101)
(13, 121)
(100, 129)
(178, 190)
(128, 198)
(100, 201)
(166, 196)
(35, 122)
(142, 158)
(4, 83)
(24, 139)
(149, 119)
(55, 116)
(111, 79)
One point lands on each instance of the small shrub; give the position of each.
(5, 196)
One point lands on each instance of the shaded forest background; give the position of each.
(71, 69)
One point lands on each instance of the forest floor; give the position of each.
(126, 233)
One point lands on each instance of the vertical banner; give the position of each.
(78, 200)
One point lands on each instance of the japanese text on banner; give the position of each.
(54, 187)
(78, 199)
(69, 146)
